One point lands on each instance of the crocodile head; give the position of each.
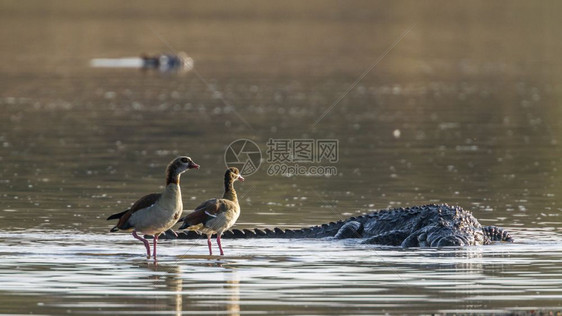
(443, 234)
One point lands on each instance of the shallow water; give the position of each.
(463, 110)
(87, 273)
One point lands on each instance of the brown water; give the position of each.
(464, 109)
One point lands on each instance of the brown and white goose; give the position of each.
(216, 215)
(155, 213)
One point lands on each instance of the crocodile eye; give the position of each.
(184, 160)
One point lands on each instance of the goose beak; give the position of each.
(193, 165)
(241, 178)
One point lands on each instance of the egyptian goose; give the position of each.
(216, 215)
(155, 213)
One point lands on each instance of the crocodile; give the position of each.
(417, 226)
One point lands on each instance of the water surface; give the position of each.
(463, 110)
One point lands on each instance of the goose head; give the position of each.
(179, 166)
(233, 174)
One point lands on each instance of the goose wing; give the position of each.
(142, 203)
(203, 213)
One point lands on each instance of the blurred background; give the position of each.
(463, 109)
(430, 102)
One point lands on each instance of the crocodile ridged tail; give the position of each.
(240, 234)
(324, 230)
(497, 234)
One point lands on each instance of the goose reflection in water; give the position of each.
(173, 279)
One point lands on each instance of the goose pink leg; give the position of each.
(146, 244)
(219, 243)
(209, 244)
(155, 242)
